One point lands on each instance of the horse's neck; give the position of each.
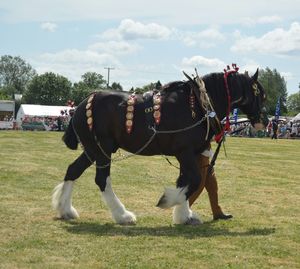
(217, 91)
(214, 84)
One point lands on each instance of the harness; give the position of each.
(152, 108)
(226, 128)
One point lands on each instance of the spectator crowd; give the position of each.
(274, 130)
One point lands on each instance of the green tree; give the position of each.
(149, 87)
(48, 89)
(116, 86)
(293, 103)
(15, 73)
(90, 82)
(4, 96)
(80, 91)
(94, 80)
(275, 87)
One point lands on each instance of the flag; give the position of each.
(235, 115)
(277, 109)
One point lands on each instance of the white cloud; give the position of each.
(261, 20)
(202, 62)
(130, 30)
(269, 19)
(49, 26)
(114, 47)
(287, 75)
(204, 39)
(276, 42)
(167, 11)
(249, 66)
(73, 63)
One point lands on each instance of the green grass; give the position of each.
(258, 183)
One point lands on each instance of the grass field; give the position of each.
(258, 182)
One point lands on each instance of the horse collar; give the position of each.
(89, 113)
(130, 113)
(152, 109)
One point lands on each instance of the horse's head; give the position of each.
(253, 101)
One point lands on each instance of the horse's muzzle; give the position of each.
(262, 121)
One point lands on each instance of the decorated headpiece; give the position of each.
(229, 71)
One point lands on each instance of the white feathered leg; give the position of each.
(117, 209)
(182, 214)
(172, 197)
(62, 200)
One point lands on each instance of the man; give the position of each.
(209, 181)
(275, 129)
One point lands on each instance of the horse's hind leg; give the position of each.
(117, 209)
(62, 194)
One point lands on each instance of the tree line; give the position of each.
(19, 77)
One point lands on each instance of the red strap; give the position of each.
(227, 124)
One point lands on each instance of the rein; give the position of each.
(216, 153)
(215, 156)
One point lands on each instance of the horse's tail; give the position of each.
(69, 137)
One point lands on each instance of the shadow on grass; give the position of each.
(205, 230)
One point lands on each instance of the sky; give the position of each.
(147, 41)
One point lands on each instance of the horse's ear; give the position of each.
(187, 76)
(255, 76)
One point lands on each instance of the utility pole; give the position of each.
(108, 71)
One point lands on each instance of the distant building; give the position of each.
(7, 114)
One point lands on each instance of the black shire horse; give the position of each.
(170, 122)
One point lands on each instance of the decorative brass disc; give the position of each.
(130, 102)
(129, 123)
(156, 114)
(129, 116)
(88, 113)
(91, 99)
(89, 121)
(130, 108)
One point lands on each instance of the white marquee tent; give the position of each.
(296, 118)
(39, 111)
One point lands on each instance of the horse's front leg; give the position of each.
(188, 182)
(191, 179)
(117, 209)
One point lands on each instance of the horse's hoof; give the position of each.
(162, 203)
(69, 214)
(128, 218)
(222, 216)
(129, 223)
(193, 222)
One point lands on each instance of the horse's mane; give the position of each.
(211, 79)
(174, 86)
